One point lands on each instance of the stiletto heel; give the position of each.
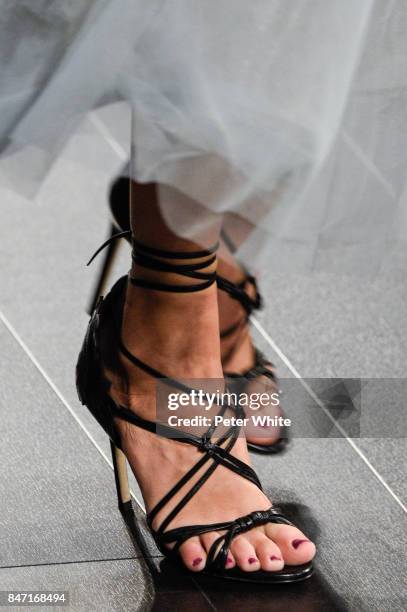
(105, 267)
(121, 479)
(100, 352)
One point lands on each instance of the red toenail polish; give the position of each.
(252, 560)
(229, 561)
(196, 562)
(297, 543)
(274, 558)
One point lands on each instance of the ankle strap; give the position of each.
(174, 254)
(149, 257)
(238, 292)
(155, 259)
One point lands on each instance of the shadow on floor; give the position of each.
(177, 590)
(312, 595)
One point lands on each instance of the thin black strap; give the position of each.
(219, 455)
(204, 443)
(212, 451)
(140, 282)
(146, 261)
(125, 234)
(237, 292)
(152, 259)
(139, 363)
(174, 254)
(187, 497)
(225, 333)
(149, 258)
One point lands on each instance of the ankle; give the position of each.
(171, 310)
(174, 328)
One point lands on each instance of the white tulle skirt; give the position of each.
(291, 115)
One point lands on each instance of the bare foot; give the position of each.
(178, 334)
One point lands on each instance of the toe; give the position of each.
(207, 539)
(269, 554)
(296, 548)
(193, 554)
(245, 554)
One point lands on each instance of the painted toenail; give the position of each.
(229, 561)
(196, 562)
(252, 560)
(297, 543)
(274, 558)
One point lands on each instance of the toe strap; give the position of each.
(217, 554)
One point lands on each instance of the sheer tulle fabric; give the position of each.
(289, 114)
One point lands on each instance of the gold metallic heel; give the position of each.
(122, 480)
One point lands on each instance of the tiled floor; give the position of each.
(59, 524)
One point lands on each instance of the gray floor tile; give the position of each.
(44, 253)
(103, 586)
(333, 326)
(330, 326)
(388, 455)
(336, 499)
(57, 496)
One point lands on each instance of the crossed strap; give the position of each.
(237, 292)
(160, 261)
(213, 453)
(146, 256)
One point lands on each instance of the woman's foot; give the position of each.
(178, 334)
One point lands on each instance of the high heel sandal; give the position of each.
(262, 367)
(249, 300)
(93, 390)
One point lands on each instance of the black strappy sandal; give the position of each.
(120, 228)
(93, 388)
(262, 367)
